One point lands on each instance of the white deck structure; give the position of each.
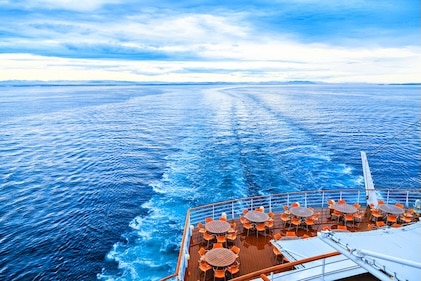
(387, 253)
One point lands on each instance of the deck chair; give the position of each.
(261, 227)
(208, 237)
(232, 237)
(290, 234)
(221, 239)
(295, 221)
(380, 224)
(392, 219)
(285, 218)
(342, 227)
(349, 218)
(234, 269)
(309, 223)
(204, 267)
(248, 226)
(219, 274)
(236, 251)
(217, 245)
(277, 236)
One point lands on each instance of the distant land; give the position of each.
(27, 83)
(112, 82)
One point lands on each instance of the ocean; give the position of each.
(95, 180)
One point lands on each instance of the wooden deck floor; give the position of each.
(256, 252)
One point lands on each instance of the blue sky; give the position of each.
(208, 41)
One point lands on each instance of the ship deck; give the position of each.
(256, 251)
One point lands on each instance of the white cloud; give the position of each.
(252, 63)
(163, 45)
(168, 33)
(168, 28)
(74, 5)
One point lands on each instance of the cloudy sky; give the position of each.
(205, 40)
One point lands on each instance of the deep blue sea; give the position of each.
(95, 181)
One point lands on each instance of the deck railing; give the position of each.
(316, 199)
(233, 209)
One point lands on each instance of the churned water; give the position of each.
(95, 181)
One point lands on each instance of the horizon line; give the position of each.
(116, 82)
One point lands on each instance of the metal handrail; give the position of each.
(315, 199)
(284, 266)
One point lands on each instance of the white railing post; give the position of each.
(232, 210)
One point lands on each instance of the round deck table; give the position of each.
(391, 209)
(345, 208)
(220, 257)
(256, 217)
(302, 212)
(217, 227)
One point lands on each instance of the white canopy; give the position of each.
(387, 253)
(395, 251)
